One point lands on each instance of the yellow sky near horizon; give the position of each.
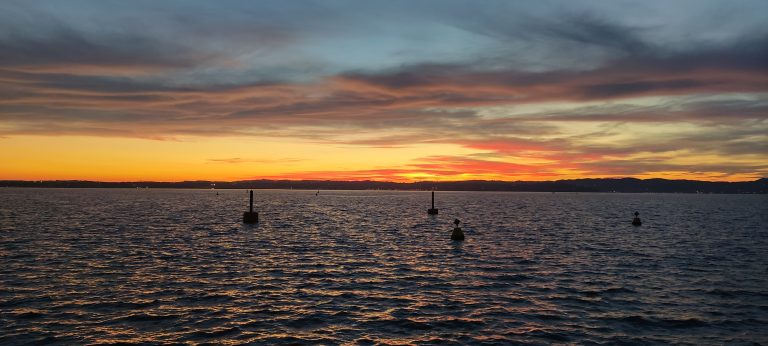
(126, 159)
(199, 158)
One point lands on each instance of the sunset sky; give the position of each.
(383, 90)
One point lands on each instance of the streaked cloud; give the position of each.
(235, 160)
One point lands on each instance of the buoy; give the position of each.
(250, 216)
(433, 210)
(636, 221)
(457, 234)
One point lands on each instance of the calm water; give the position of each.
(370, 267)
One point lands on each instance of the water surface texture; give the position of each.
(86, 266)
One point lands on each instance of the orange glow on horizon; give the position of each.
(120, 159)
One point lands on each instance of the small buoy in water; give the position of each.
(250, 216)
(457, 233)
(636, 221)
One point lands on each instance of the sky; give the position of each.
(383, 90)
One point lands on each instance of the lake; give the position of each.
(371, 267)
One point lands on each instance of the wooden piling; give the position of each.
(433, 210)
(250, 216)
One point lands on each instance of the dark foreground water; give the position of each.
(370, 267)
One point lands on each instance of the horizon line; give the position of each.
(365, 180)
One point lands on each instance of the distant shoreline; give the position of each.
(628, 185)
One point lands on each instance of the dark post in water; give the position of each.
(250, 216)
(432, 211)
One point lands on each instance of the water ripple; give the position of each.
(132, 267)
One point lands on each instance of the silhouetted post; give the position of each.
(636, 221)
(457, 234)
(250, 216)
(432, 211)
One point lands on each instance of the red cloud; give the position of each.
(432, 168)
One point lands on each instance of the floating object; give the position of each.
(433, 210)
(250, 216)
(317, 193)
(636, 221)
(457, 234)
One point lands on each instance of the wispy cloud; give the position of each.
(236, 160)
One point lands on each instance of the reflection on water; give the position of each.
(83, 266)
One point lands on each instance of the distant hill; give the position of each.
(574, 185)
